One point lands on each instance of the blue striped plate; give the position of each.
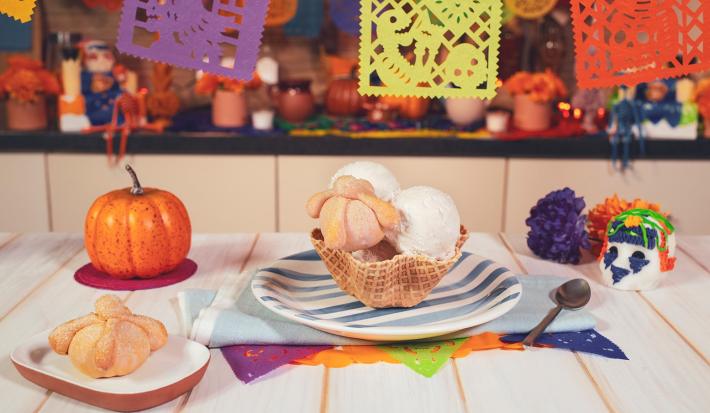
(299, 287)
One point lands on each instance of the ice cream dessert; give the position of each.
(351, 216)
(382, 180)
(429, 223)
(386, 254)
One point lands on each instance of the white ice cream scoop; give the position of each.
(384, 182)
(429, 223)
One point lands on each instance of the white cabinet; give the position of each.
(476, 184)
(221, 193)
(239, 193)
(680, 187)
(23, 193)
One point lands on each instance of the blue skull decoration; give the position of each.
(639, 248)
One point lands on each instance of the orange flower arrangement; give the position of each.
(540, 87)
(702, 97)
(208, 83)
(25, 80)
(600, 215)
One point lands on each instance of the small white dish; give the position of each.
(299, 287)
(168, 373)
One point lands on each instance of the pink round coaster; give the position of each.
(88, 275)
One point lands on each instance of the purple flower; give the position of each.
(557, 227)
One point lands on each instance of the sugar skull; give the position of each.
(639, 247)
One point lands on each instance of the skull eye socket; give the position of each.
(638, 254)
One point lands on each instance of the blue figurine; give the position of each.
(99, 83)
(625, 114)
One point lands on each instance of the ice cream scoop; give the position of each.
(429, 223)
(382, 180)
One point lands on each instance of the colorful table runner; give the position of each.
(255, 341)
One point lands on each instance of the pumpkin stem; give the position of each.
(137, 188)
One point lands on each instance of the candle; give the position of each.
(71, 77)
(131, 82)
(685, 88)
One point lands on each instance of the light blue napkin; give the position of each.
(218, 319)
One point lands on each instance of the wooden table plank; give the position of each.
(386, 388)
(683, 302)
(499, 380)
(293, 390)
(217, 256)
(28, 260)
(698, 247)
(664, 373)
(59, 299)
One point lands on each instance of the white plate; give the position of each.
(299, 287)
(168, 373)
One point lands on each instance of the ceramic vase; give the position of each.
(465, 111)
(27, 116)
(229, 109)
(531, 116)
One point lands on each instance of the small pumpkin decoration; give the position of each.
(342, 97)
(137, 232)
(408, 107)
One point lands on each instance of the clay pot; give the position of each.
(27, 116)
(229, 109)
(465, 111)
(294, 100)
(531, 116)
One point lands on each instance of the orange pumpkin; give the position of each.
(137, 232)
(342, 97)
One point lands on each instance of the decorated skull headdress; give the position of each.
(639, 247)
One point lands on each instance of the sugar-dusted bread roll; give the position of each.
(110, 342)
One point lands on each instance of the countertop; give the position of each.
(585, 147)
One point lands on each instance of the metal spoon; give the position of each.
(572, 295)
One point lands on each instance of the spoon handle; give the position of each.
(540, 328)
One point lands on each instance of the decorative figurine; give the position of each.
(99, 81)
(639, 247)
(72, 107)
(625, 120)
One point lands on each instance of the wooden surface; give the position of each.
(666, 334)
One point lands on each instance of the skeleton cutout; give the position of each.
(639, 248)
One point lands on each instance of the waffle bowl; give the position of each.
(403, 281)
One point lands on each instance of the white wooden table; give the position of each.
(666, 334)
